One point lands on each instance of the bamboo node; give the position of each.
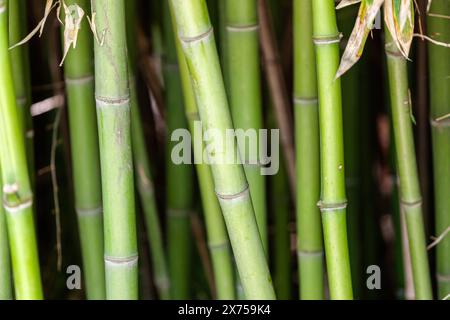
(327, 207)
(243, 28)
(309, 254)
(79, 80)
(236, 196)
(110, 102)
(201, 37)
(443, 277)
(122, 261)
(411, 205)
(440, 123)
(17, 207)
(299, 101)
(327, 39)
(218, 246)
(89, 212)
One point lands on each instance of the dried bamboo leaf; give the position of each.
(399, 19)
(72, 24)
(368, 11)
(346, 3)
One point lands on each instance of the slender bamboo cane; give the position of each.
(179, 202)
(410, 197)
(5, 261)
(21, 72)
(18, 197)
(245, 96)
(143, 177)
(333, 203)
(79, 77)
(439, 64)
(113, 112)
(215, 226)
(309, 230)
(196, 35)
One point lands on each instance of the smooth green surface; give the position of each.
(439, 64)
(179, 187)
(309, 229)
(79, 76)
(245, 95)
(6, 292)
(114, 125)
(410, 197)
(197, 38)
(333, 195)
(18, 200)
(215, 226)
(143, 175)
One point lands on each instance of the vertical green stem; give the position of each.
(197, 38)
(141, 160)
(179, 201)
(439, 64)
(5, 261)
(79, 77)
(245, 96)
(309, 230)
(410, 197)
(333, 203)
(113, 112)
(17, 199)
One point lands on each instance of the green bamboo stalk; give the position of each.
(6, 292)
(215, 226)
(352, 145)
(17, 11)
(333, 203)
(179, 201)
(309, 230)
(439, 64)
(113, 112)
(18, 197)
(196, 35)
(79, 77)
(141, 160)
(245, 95)
(410, 197)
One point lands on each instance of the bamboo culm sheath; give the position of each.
(79, 77)
(333, 202)
(197, 38)
(114, 125)
(17, 198)
(439, 65)
(218, 242)
(410, 197)
(245, 95)
(309, 230)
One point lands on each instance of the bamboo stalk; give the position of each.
(333, 203)
(245, 95)
(17, 11)
(410, 197)
(439, 65)
(215, 226)
(6, 290)
(196, 35)
(179, 202)
(79, 77)
(143, 175)
(113, 112)
(309, 230)
(278, 90)
(17, 198)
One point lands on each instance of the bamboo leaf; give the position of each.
(399, 19)
(368, 11)
(346, 3)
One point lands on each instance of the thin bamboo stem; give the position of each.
(114, 125)
(143, 175)
(179, 201)
(215, 226)
(410, 197)
(439, 64)
(197, 38)
(245, 96)
(309, 230)
(6, 290)
(79, 77)
(334, 202)
(17, 195)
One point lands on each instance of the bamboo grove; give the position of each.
(224, 149)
